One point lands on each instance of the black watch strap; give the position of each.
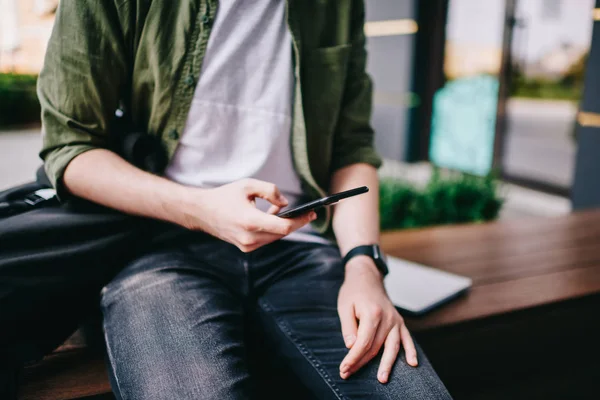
(369, 250)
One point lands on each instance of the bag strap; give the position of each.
(26, 197)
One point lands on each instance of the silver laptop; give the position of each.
(417, 289)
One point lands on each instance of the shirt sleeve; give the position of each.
(80, 83)
(353, 141)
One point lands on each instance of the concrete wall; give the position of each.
(26, 25)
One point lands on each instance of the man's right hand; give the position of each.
(229, 212)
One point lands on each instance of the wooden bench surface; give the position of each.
(515, 265)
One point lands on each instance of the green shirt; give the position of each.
(99, 50)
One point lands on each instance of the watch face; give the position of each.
(383, 267)
(372, 251)
(380, 260)
(376, 252)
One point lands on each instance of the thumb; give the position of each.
(273, 210)
(349, 325)
(265, 190)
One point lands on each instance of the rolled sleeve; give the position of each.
(56, 161)
(353, 142)
(80, 83)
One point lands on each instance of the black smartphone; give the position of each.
(325, 201)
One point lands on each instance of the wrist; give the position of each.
(181, 205)
(362, 267)
(373, 253)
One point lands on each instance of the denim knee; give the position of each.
(143, 277)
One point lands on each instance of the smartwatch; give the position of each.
(369, 250)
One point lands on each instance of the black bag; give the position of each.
(53, 262)
(55, 258)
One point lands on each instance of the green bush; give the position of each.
(18, 100)
(569, 86)
(450, 199)
(538, 88)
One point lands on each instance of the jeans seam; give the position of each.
(112, 363)
(306, 353)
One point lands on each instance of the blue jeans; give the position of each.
(177, 323)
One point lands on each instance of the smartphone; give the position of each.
(325, 201)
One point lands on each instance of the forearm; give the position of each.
(368, 318)
(105, 178)
(356, 220)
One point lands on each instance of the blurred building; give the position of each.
(25, 27)
(493, 85)
(474, 85)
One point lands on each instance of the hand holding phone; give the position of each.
(322, 202)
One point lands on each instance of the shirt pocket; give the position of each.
(323, 76)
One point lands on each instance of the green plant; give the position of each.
(396, 204)
(575, 76)
(539, 88)
(569, 86)
(18, 99)
(448, 198)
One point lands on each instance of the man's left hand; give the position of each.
(370, 321)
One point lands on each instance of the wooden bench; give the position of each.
(527, 329)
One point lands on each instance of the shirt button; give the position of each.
(189, 80)
(206, 19)
(173, 135)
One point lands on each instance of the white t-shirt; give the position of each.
(240, 121)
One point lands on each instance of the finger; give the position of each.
(264, 190)
(302, 220)
(273, 209)
(382, 333)
(367, 329)
(349, 325)
(390, 353)
(409, 346)
(259, 239)
(267, 223)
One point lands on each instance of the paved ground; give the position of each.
(19, 160)
(18, 156)
(539, 141)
